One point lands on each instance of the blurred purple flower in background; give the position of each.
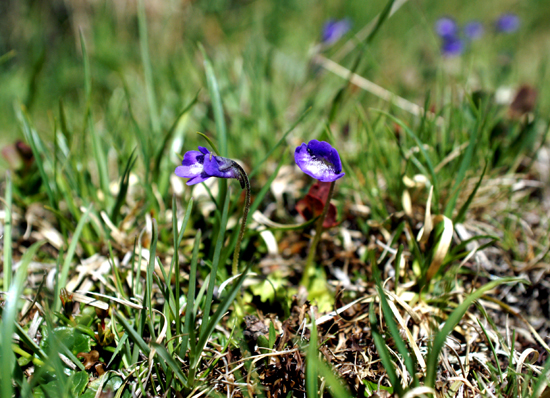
(473, 30)
(333, 30)
(446, 27)
(452, 46)
(507, 23)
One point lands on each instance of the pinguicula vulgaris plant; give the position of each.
(319, 160)
(200, 165)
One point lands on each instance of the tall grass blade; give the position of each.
(9, 318)
(149, 275)
(135, 336)
(450, 324)
(6, 239)
(219, 117)
(208, 328)
(312, 385)
(383, 351)
(189, 325)
(69, 258)
(99, 151)
(38, 151)
(172, 364)
(215, 263)
(392, 326)
(338, 390)
(420, 144)
(147, 68)
(123, 188)
(464, 166)
(461, 215)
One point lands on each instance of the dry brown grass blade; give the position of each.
(442, 246)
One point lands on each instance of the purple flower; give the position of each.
(507, 23)
(319, 160)
(334, 30)
(452, 46)
(200, 165)
(473, 30)
(446, 27)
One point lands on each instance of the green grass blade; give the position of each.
(450, 324)
(214, 148)
(70, 254)
(207, 330)
(312, 355)
(9, 318)
(172, 364)
(464, 166)
(392, 326)
(189, 325)
(123, 188)
(97, 145)
(38, 151)
(135, 336)
(219, 117)
(147, 68)
(420, 145)
(215, 263)
(168, 136)
(149, 275)
(380, 21)
(215, 97)
(542, 381)
(462, 212)
(8, 261)
(338, 390)
(177, 242)
(383, 351)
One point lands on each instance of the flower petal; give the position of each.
(191, 165)
(319, 160)
(220, 167)
(198, 179)
(203, 150)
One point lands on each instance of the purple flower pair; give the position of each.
(317, 159)
(452, 43)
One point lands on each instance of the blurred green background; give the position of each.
(261, 52)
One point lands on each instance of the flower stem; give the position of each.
(245, 183)
(318, 232)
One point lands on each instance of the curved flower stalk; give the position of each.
(321, 161)
(200, 165)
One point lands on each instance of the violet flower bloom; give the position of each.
(507, 23)
(473, 30)
(334, 30)
(200, 165)
(446, 27)
(319, 160)
(452, 47)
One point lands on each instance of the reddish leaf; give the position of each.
(312, 204)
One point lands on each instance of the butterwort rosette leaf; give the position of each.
(319, 160)
(200, 165)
